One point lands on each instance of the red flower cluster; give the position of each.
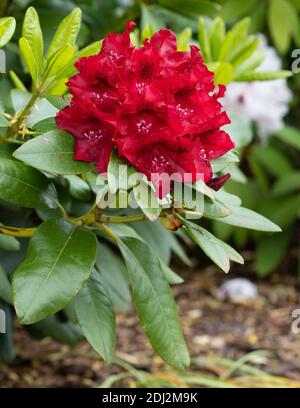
(157, 106)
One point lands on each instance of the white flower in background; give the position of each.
(263, 102)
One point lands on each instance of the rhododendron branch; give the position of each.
(122, 219)
(107, 231)
(17, 232)
(18, 119)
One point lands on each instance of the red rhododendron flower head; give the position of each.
(156, 106)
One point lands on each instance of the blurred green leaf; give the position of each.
(282, 21)
(7, 29)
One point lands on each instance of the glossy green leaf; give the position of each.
(25, 187)
(243, 217)
(52, 152)
(215, 209)
(219, 252)
(79, 188)
(96, 316)
(28, 58)
(8, 243)
(66, 32)
(115, 277)
(7, 29)
(154, 302)
(58, 61)
(32, 32)
(59, 260)
(170, 275)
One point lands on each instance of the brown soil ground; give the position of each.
(212, 328)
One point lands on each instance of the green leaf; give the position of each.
(240, 131)
(28, 58)
(221, 163)
(281, 210)
(96, 316)
(154, 302)
(262, 75)
(52, 152)
(170, 275)
(287, 183)
(66, 32)
(62, 331)
(33, 34)
(4, 123)
(7, 29)
(25, 187)
(243, 217)
(223, 72)
(149, 18)
(183, 39)
(250, 64)
(271, 159)
(270, 252)
(234, 9)
(115, 277)
(118, 174)
(8, 243)
(227, 198)
(5, 288)
(79, 188)
(204, 40)
(17, 81)
(58, 61)
(216, 37)
(147, 200)
(290, 135)
(219, 252)
(68, 254)
(282, 21)
(215, 209)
